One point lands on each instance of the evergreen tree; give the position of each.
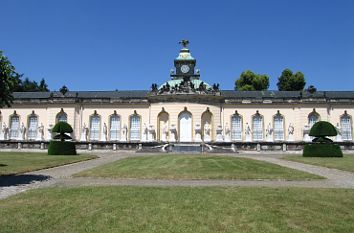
(291, 82)
(250, 81)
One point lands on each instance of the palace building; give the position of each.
(184, 109)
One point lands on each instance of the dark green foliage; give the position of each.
(250, 81)
(63, 90)
(322, 150)
(62, 128)
(322, 146)
(9, 79)
(61, 148)
(323, 129)
(291, 82)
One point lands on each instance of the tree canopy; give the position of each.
(9, 79)
(250, 81)
(291, 82)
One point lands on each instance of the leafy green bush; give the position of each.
(322, 150)
(322, 146)
(323, 129)
(61, 148)
(62, 128)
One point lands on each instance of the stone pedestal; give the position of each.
(269, 138)
(291, 138)
(248, 138)
(198, 131)
(151, 134)
(173, 133)
(2, 136)
(103, 137)
(219, 137)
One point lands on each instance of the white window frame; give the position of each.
(14, 126)
(135, 128)
(346, 128)
(114, 130)
(95, 127)
(257, 127)
(278, 127)
(236, 127)
(32, 127)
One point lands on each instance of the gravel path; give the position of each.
(61, 176)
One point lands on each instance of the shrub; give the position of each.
(323, 129)
(322, 150)
(61, 148)
(62, 128)
(322, 146)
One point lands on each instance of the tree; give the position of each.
(43, 87)
(250, 81)
(9, 79)
(291, 82)
(63, 90)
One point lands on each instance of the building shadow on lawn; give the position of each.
(15, 180)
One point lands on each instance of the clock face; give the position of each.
(184, 69)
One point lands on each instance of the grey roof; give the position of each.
(228, 94)
(231, 94)
(133, 94)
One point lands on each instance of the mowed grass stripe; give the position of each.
(21, 162)
(178, 209)
(194, 167)
(346, 163)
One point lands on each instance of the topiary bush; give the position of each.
(62, 128)
(322, 150)
(62, 147)
(322, 146)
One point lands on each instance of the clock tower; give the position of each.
(185, 64)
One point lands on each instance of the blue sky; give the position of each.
(108, 45)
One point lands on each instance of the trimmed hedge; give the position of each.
(322, 150)
(323, 129)
(61, 148)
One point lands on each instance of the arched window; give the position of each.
(95, 123)
(62, 116)
(346, 127)
(32, 127)
(14, 126)
(135, 127)
(236, 127)
(278, 127)
(257, 124)
(313, 118)
(114, 130)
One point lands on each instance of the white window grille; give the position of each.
(95, 128)
(257, 127)
(279, 128)
(115, 128)
(32, 127)
(14, 127)
(134, 128)
(236, 127)
(346, 127)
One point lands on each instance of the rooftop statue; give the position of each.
(184, 43)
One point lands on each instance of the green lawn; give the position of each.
(179, 209)
(346, 163)
(20, 162)
(194, 167)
